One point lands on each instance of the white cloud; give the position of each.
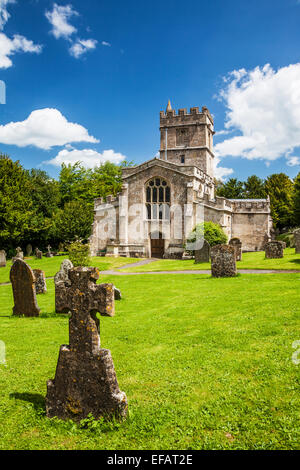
(88, 157)
(293, 161)
(82, 46)
(264, 107)
(9, 47)
(58, 18)
(4, 15)
(221, 173)
(105, 43)
(44, 128)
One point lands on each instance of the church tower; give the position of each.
(187, 138)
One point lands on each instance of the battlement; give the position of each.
(182, 114)
(250, 205)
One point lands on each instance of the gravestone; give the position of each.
(38, 254)
(118, 295)
(203, 255)
(274, 249)
(2, 259)
(40, 281)
(19, 254)
(28, 250)
(61, 247)
(49, 254)
(297, 241)
(223, 262)
(23, 285)
(237, 245)
(61, 279)
(85, 380)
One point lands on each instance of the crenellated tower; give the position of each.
(187, 138)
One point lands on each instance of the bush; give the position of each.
(288, 238)
(213, 233)
(79, 254)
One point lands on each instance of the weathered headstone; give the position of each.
(61, 247)
(118, 295)
(19, 254)
(274, 249)
(237, 245)
(297, 241)
(38, 254)
(49, 254)
(28, 250)
(203, 255)
(223, 262)
(85, 381)
(61, 279)
(2, 259)
(23, 284)
(40, 281)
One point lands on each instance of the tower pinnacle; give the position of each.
(169, 107)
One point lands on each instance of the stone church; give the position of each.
(163, 199)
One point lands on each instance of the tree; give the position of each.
(280, 188)
(232, 189)
(297, 200)
(213, 233)
(254, 188)
(16, 206)
(74, 221)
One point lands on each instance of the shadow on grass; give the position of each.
(36, 399)
(297, 261)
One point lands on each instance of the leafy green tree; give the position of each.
(254, 188)
(232, 189)
(74, 221)
(16, 206)
(297, 200)
(79, 254)
(213, 233)
(280, 188)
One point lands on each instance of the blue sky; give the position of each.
(86, 80)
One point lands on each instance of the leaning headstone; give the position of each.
(49, 254)
(85, 381)
(274, 249)
(40, 281)
(223, 262)
(61, 279)
(23, 284)
(38, 254)
(237, 245)
(2, 259)
(203, 255)
(28, 250)
(297, 241)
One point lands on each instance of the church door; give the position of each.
(157, 247)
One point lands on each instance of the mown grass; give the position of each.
(205, 363)
(52, 265)
(256, 260)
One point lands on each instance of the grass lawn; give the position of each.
(205, 363)
(250, 261)
(51, 265)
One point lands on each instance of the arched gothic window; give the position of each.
(158, 198)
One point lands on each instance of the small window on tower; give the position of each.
(182, 159)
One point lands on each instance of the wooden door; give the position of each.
(157, 247)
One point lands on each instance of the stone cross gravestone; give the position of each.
(40, 281)
(23, 285)
(49, 254)
(85, 380)
(237, 245)
(297, 241)
(203, 255)
(2, 259)
(274, 249)
(223, 262)
(61, 279)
